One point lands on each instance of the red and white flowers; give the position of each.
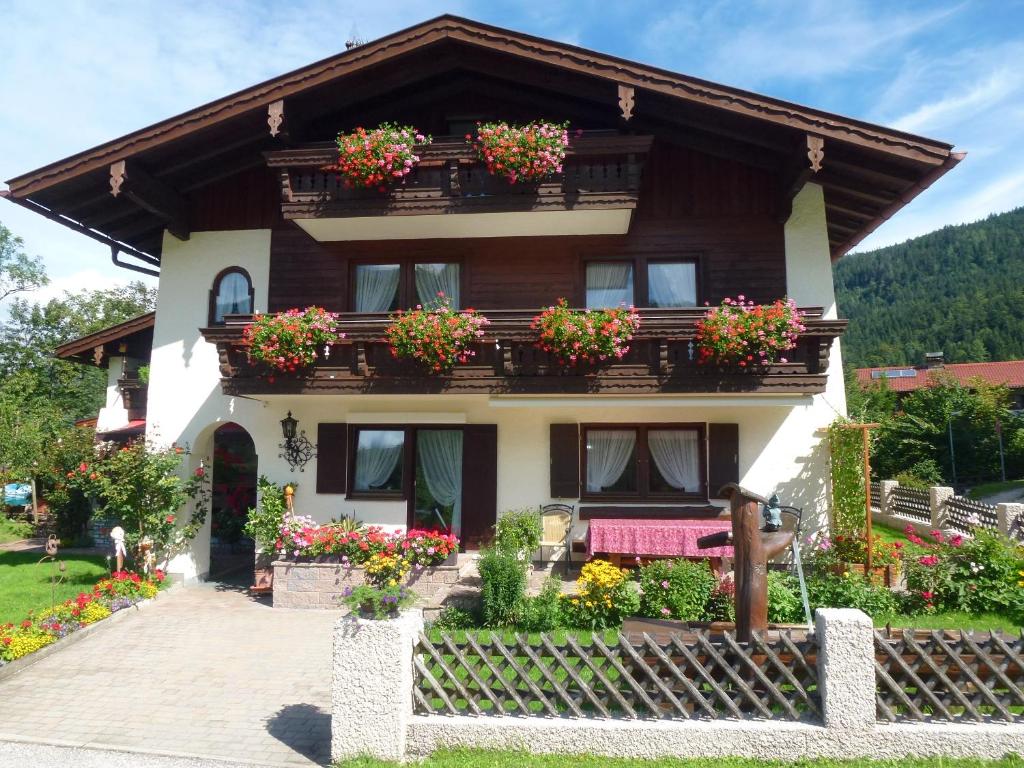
(380, 157)
(745, 334)
(438, 337)
(521, 153)
(289, 341)
(590, 336)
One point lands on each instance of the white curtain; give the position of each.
(672, 285)
(608, 452)
(676, 452)
(232, 297)
(377, 455)
(432, 279)
(376, 287)
(609, 285)
(440, 458)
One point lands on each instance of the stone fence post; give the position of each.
(846, 669)
(886, 488)
(1007, 517)
(937, 497)
(372, 686)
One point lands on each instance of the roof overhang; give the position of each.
(128, 191)
(132, 338)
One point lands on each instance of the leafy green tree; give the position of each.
(18, 271)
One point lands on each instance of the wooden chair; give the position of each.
(556, 522)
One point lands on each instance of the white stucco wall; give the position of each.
(113, 414)
(782, 444)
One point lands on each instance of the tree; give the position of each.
(18, 271)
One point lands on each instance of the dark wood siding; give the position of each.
(247, 200)
(565, 461)
(331, 458)
(479, 482)
(720, 212)
(723, 456)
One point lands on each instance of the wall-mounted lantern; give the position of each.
(296, 448)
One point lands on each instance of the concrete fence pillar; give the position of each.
(937, 498)
(885, 495)
(1007, 516)
(846, 668)
(372, 686)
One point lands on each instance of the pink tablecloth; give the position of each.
(674, 538)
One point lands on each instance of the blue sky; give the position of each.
(75, 74)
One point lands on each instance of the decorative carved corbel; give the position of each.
(627, 100)
(275, 116)
(150, 194)
(97, 355)
(116, 177)
(815, 151)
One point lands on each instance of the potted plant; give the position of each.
(288, 342)
(592, 336)
(848, 552)
(263, 525)
(521, 153)
(378, 158)
(747, 335)
(436, 337)
(379, 603)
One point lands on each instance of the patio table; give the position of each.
(622, 537)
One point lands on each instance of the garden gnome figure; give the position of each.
(117, 536)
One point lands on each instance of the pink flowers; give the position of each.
(740, 333)
(928, 560)
(437, 338)
(521, 152)
(289, 341)
(585, 336)
(373, 159)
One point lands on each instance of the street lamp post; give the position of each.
(952, 452)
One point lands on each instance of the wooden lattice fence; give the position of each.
(946, 676)
(911, 503)
(964, 514)
(682, 676)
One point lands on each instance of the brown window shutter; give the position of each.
(331, 457)
(565, 461)
(723, 456)
(479, 483)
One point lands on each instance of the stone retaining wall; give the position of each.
(321, 584)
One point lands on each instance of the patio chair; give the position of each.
(556, 522)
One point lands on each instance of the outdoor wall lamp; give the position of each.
(296, 448)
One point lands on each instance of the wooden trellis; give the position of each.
(695, 675)
(958, 677)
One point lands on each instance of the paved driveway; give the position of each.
(203, 671)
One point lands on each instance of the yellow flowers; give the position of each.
(93, 612)
(383, 569)
(601, 574)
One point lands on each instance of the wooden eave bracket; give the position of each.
(810, 159)
(275, 116)
(129, 178)
(627, 101)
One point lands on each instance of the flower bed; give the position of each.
(326, 581)
(38, 630)
(741, 333)
(575, 337)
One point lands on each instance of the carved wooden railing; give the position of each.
(662, 358)
(601, 170)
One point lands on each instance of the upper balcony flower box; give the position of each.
(595, 193)
(662, 359)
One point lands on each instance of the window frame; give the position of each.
(211, 312)
(353, 448)
(640, 262)
(407, 277)
(643, 462)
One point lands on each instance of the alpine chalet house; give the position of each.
(674, 194)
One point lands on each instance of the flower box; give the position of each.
(320, 582)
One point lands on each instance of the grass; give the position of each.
(496, 759)
(25, 584)
(987, 489)
(887, 534)
(12, 530)
(982, 622)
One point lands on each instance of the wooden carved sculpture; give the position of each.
(752, 550)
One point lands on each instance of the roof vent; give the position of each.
(934, 359)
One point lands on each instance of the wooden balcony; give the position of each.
(601, 171)
(661, 359)
(134, 394)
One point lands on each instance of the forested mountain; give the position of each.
(959, 290)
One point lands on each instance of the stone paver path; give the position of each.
(204, 671)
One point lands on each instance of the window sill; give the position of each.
(365, 496)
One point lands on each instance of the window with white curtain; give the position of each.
(641, 462)
(378, 461)
(233, 296)
(435, 282)
(609, 284)
(377, 287)
(672, 284)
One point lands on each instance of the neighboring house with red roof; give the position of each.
(902, 379)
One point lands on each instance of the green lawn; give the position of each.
(889, 535)
(494, 759)
(25, 584)
(987, 489)
(11, 530)
(952, 620)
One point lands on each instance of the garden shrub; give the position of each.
(784, 603)
(542, 613)
(453, 617)
(676, 589)
(604, 597)
(503, 587)
(264, 521)
(850, 590)
(519, 531)
(722, 605)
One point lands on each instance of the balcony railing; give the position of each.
(601, 170)
(134, 394)
(662, 359)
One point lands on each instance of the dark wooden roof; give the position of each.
(868, 174)
(136, 334)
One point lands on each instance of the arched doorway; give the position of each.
(234, 493)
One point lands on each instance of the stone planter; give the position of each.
(321, 582)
